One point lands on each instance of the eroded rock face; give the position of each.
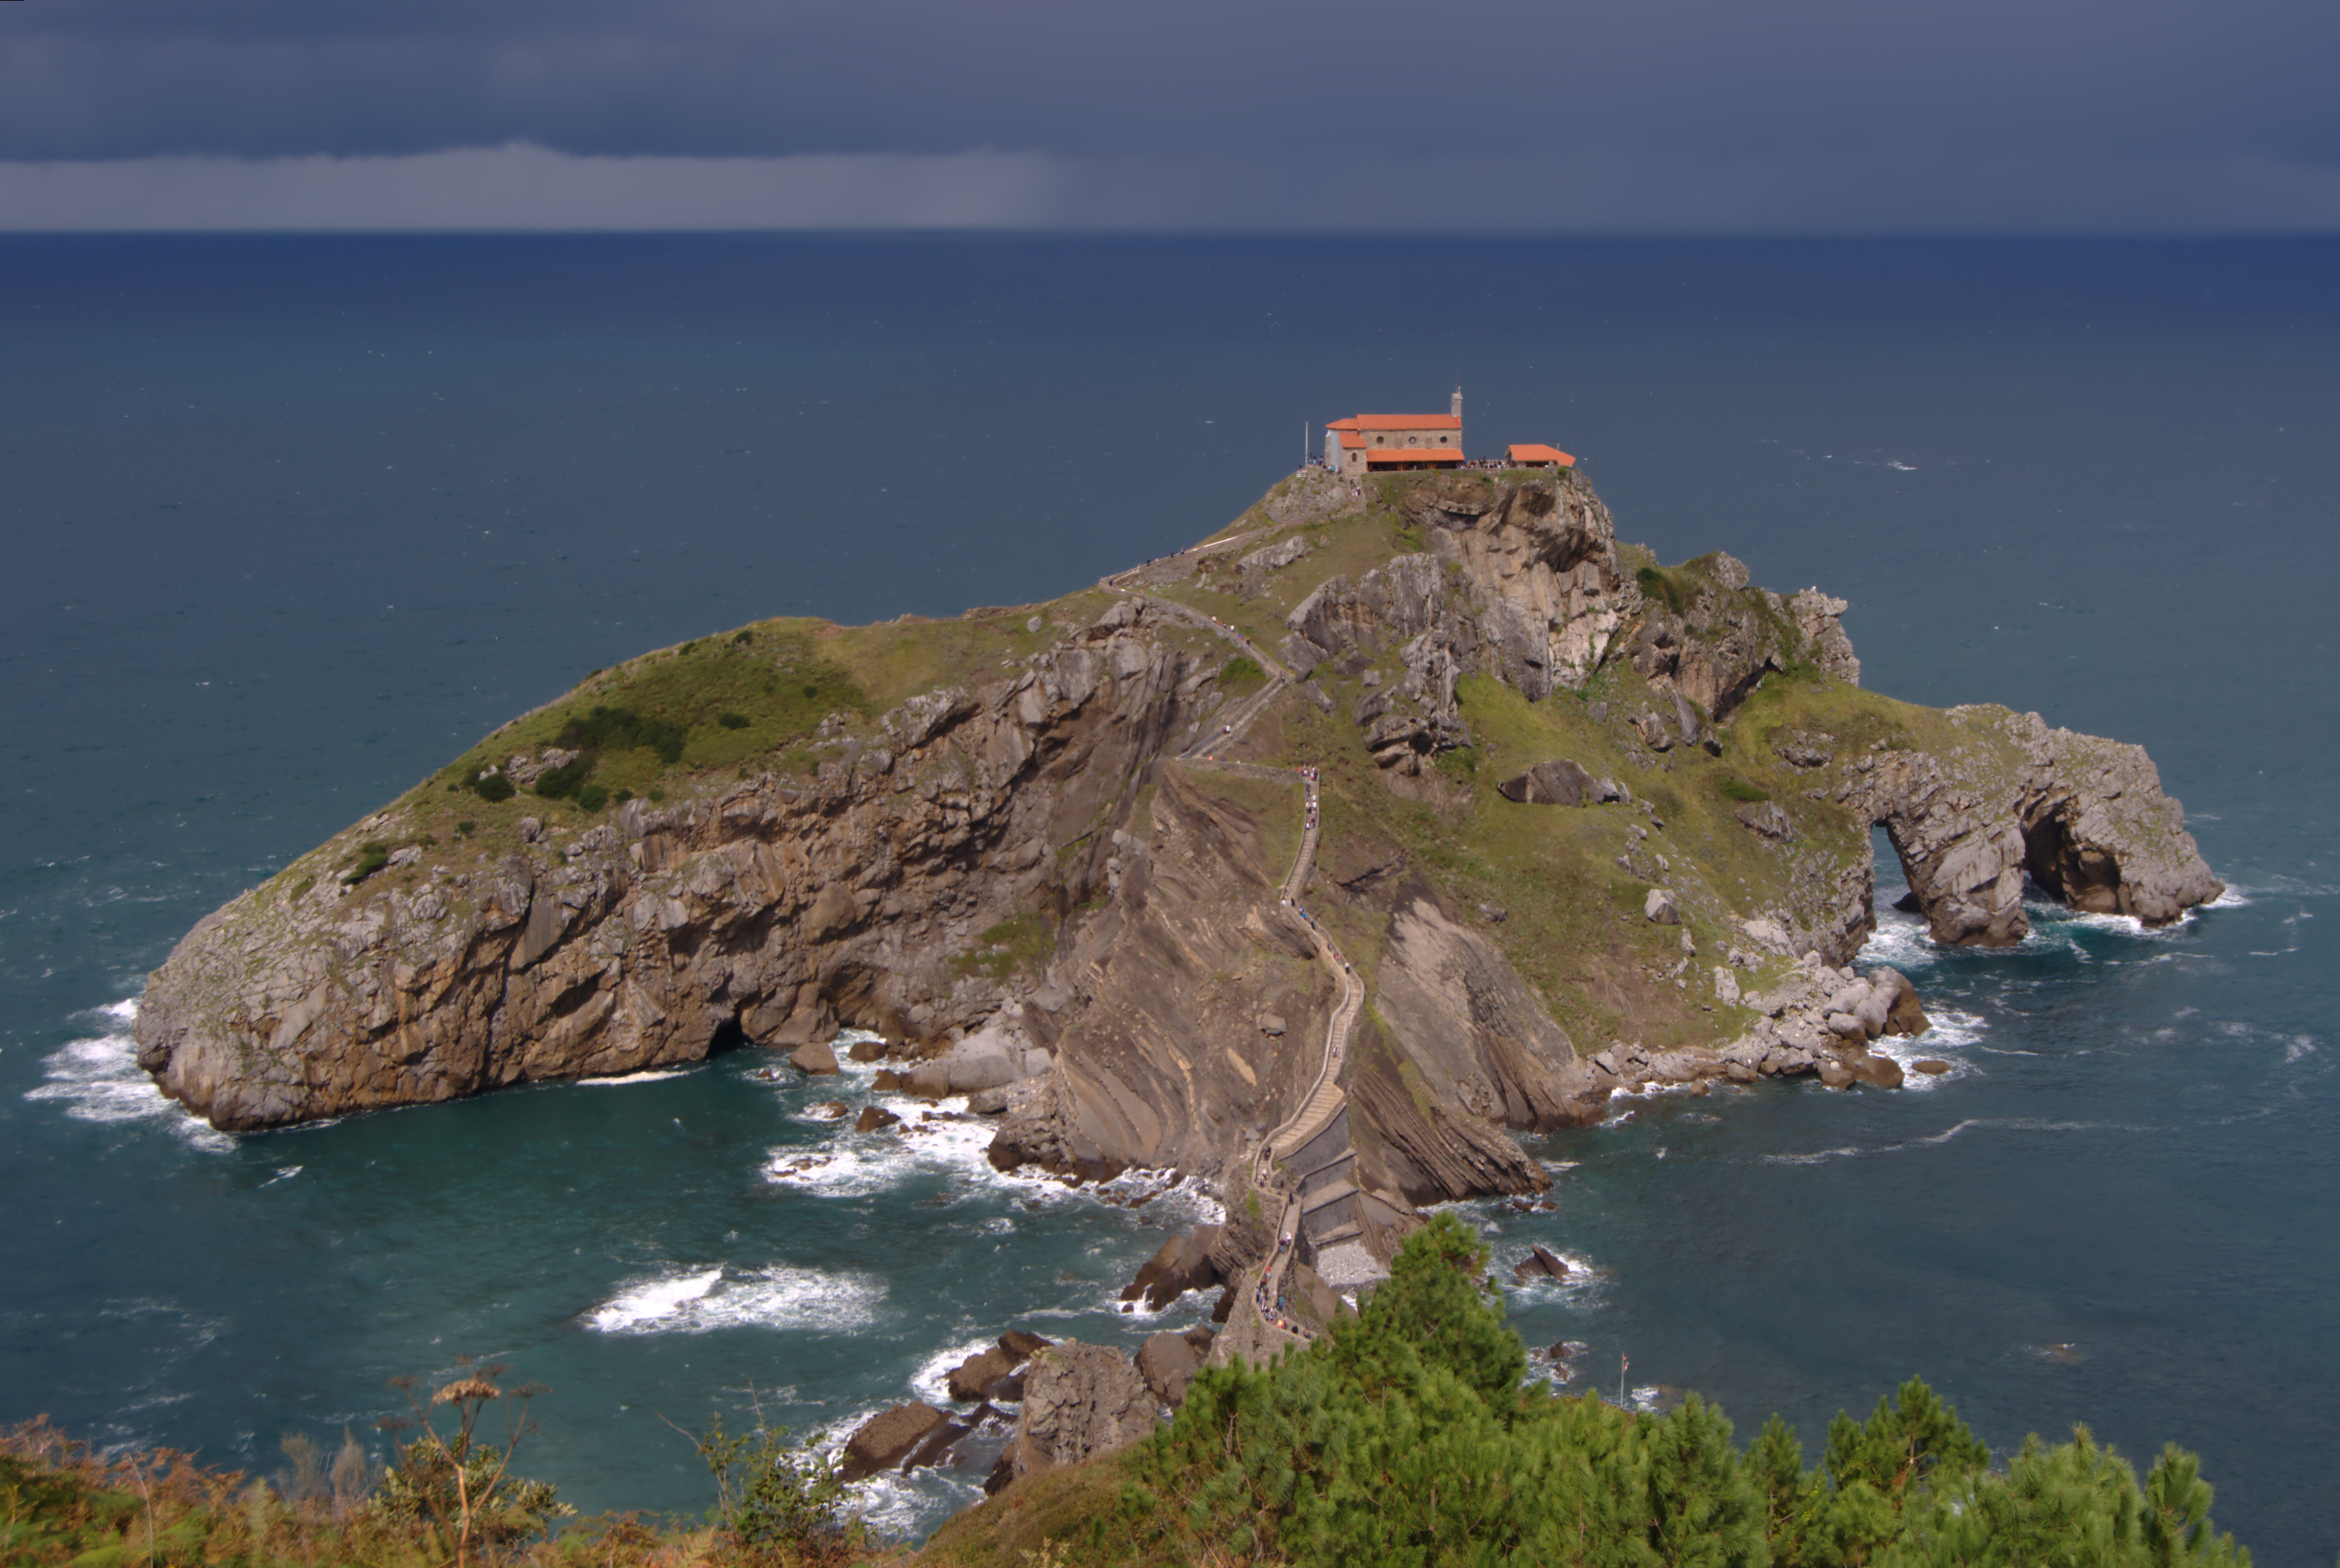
(1079, 1400)
(2085, 817)
(778, 908)
(1524, 580)
(774, 909)
(1459, 1013)
(1157, 1044)
(1169, 1362)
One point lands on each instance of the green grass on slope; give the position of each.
(710, 703)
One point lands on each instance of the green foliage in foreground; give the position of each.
(1406, 1436)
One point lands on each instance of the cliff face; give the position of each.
(993, 833)
(776, 907)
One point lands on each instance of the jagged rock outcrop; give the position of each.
(1079, 1400)
(776, 908)
(901, 885)
(1558, 783)
(888, 1438)
(1709, 637)
(985, 1374)
(1184, 1263)
(2085, 817)
(1169, 1362)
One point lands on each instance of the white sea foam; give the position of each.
(941, 1137)
(894, 1506)
(2012, 1124)
(696, 1301)
(99, 1079)
(2300, 1045)
(648, 1075)
(1899, 939)
(931, 1381)
(1951, 1030)
(1582, 1275)
(891, 1503)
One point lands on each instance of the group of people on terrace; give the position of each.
(1273, 1312)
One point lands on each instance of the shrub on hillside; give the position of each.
(1409, 1435)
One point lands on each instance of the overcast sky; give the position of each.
(1864, 117)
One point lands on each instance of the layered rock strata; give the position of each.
(1014, 881)
(774, 910)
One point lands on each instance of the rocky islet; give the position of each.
(1170, 1009)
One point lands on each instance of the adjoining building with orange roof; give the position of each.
(1536, 455)
(1378, 443)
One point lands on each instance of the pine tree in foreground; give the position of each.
(1409, 1435)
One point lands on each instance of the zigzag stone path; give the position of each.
(1326, 1099)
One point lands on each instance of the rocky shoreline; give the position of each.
(1590, 824)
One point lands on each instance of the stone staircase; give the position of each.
(1312, 1147)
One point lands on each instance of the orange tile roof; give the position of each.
(1350, 437)
(1537, 453)
(1397, 422)
(1413, 454)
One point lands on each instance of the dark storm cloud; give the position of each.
(1991, 107)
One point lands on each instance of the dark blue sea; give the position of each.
(290, 521)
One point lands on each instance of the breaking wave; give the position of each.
(2011, 1124)
(943, 1137)
(777, 1297)
(99, 1079)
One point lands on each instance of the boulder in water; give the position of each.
(1876, 1071)
(888, 1437)
(979, 1374)
(1540, 1262)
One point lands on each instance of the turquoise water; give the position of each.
(290, 521)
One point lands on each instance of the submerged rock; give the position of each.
(1540, 1262)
